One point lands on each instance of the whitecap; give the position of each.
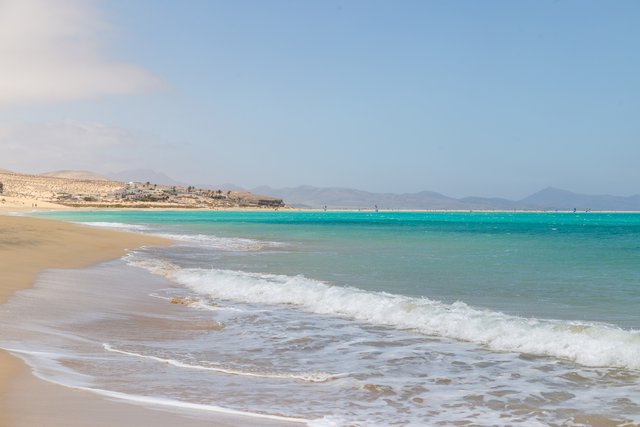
(586, 343)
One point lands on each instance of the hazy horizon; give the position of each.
(490, 99)
(157, 177)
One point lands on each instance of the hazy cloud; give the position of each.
(53, 51)
(40, 147)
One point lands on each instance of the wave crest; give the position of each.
(586, 343)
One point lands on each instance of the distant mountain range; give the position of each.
(347, 198)
(554, 198)
(307, 196)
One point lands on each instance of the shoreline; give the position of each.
(27, 247)
(29, 205)
(30, 245)
(29, 401)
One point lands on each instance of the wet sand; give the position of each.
(28, 246)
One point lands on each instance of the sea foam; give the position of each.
(586, 343)
(222, 243)
(205, 240)
(312, 377)
(116, 225)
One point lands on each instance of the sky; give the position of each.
(484, 98)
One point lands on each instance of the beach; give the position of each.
(28, 246)
(487, 318)
(321, 214)
(280, 317)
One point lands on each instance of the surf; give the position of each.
(593, 344)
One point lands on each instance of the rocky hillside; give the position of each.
(115, 194)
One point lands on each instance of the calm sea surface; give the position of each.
(339, 318)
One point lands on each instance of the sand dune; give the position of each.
(73, 189)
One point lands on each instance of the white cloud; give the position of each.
(52, 51)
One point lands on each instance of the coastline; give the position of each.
(28, 246)
(27, 400)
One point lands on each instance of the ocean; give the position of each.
(351, 318)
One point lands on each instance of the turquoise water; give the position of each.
(563, 266)
(348, 318)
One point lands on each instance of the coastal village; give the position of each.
(93, 191)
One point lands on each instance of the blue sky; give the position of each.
(492, 98)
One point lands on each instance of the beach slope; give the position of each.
(27, 246)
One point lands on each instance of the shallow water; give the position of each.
(363, 319)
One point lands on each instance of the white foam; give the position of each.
(587, 343)
(116, 225)
(199, 304)
(223, 243)
(209, 241)
(313, 377)
(153, 265)
(48, 369)
(46, 366)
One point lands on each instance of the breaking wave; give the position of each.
(223, 243)
(586, 343)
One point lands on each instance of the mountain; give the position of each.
(315, 197)
(347, 198)
(307, 196)
(144, 175)
(73, 174)
(494, 203)
(555, 198)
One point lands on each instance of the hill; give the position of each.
(555, 198)
(345, 198)
(101, 193)
(65, 183)
(348, 198)
(72, 174)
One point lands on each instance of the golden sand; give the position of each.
(28, 246)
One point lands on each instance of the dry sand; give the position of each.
(72, 189)
(9, 204)
(27, 246)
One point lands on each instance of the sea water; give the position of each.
(352, 318)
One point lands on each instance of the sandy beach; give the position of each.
(30, 247)
(27, 246)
